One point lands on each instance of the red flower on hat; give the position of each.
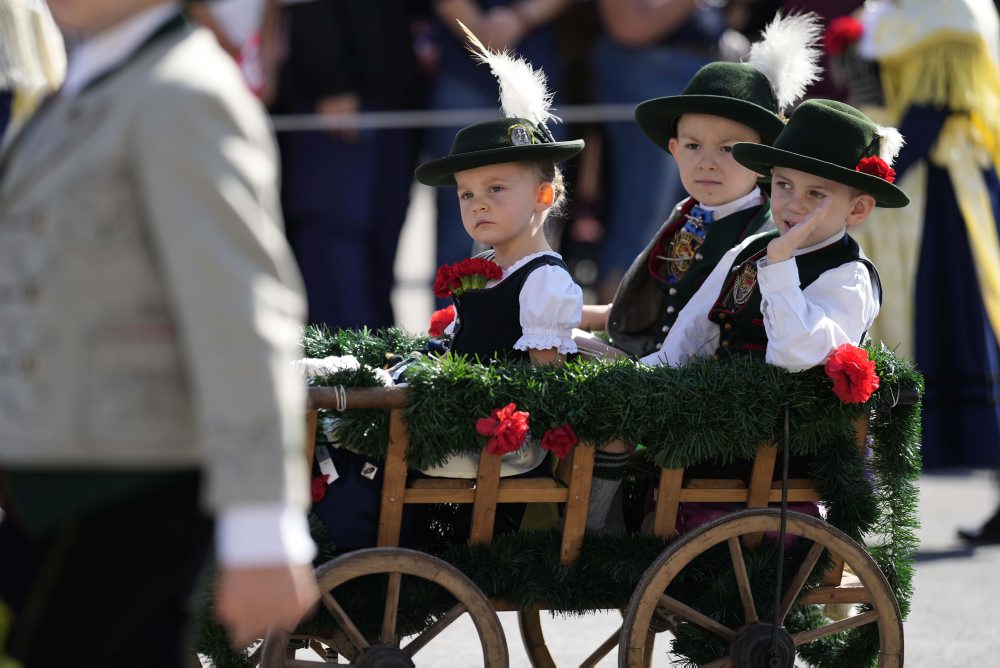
(842, 32)
(318, 488)
(441, 319)
(876, 166)
(506, 428)
(853, 374)
(559, 440)
(470, 274)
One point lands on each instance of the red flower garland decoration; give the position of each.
(470, 274)
(440, 319)
(876, 166)
(506, 428)
(842, 32)
(318, 488)
(559, 440)
(853, 374)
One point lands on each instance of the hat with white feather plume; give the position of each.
(755, 93)
(522, 135)
(834, 141)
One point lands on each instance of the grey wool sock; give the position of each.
(609, 467)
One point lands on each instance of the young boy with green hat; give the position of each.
(724, 103)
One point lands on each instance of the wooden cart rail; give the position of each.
(489, 489)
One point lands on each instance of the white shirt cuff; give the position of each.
(778, 276)
(263, 535)
(542, 339)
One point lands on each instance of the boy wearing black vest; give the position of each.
(724, 103)
(794, 294)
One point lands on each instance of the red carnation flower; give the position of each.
(559, 440)
(853, 374)
(442, 282)
(470, 274)
(842, 32)
(318, 488)
(876, 166)
(506, 428)
(441, 319)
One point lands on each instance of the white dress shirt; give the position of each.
(803, 326)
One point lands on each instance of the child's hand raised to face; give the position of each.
(791, 238)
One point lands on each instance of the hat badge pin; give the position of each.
(521, 136)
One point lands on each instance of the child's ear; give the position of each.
(672, 146)
(861, 207)
(546, 196)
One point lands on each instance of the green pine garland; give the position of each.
(683, 416)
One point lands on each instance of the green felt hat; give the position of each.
(731, 90)
(829, 139)
(492, 142)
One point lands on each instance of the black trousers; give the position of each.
(112, 587)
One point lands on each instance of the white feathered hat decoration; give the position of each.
(520, 135)
(756, 92)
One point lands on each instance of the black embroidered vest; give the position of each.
(737, 310)
(647, 304)
(487, 322)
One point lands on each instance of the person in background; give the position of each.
(32, 60)
(345, 191)
(939, 64)
(248, 31)
(150, 318)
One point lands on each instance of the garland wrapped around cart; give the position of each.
(682, 416)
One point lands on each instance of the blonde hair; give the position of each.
(549, 172)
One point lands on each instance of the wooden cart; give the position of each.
(852, 577)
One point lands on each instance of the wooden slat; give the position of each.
(742, 581)
(394, 483)
(668, 499)
(359, 397)
(441, 483)
(850, 590)
(861, 432)
(581, 469)
(512, 494)
(741, 495)
(761, 476)
(484, 508)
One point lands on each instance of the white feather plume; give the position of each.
(524, 90)
(890, 141)
(788, 55)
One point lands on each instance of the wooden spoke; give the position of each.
(345, 623)
(432, 631)
(602, 651)
(836, 627)
(742, 581)
(795, 586)
(391, 608)
(695, 617)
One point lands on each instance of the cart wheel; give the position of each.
(750, 644)
(387, 651)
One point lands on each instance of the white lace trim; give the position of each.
(544, 340)
(520, 263)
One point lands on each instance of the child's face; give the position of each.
(703, 149)
(499, 202)
(795, 194)
(90, 16)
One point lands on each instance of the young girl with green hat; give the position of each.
(523, 303)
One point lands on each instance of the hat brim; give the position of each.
(657, 118)
(761, 159)
(441, 172)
